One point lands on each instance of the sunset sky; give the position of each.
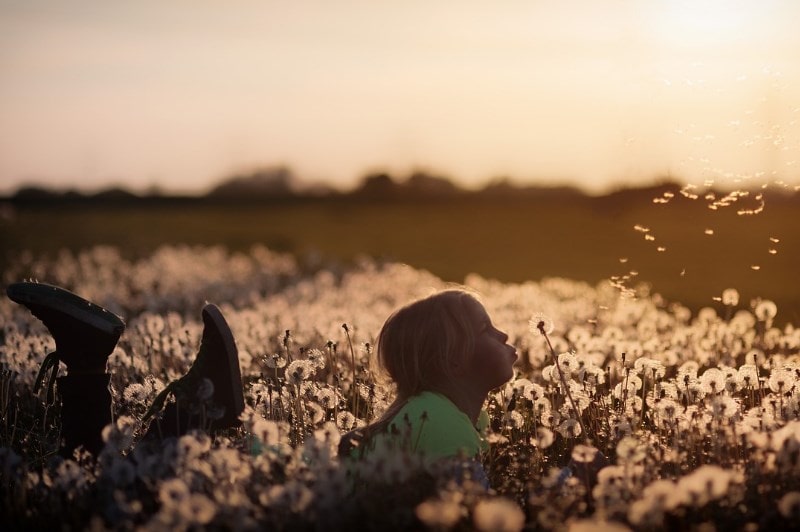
(592, 93)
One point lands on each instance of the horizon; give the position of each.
(598, 97)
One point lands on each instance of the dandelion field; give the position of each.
(690, 398)
(698, 414)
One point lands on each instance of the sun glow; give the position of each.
(710, 23)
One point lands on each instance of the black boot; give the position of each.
(85, 336)
(85, 410)
(218, 362)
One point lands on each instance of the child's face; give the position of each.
(492, 362)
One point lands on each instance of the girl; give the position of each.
(445, 356)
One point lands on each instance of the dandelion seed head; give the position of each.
(275, 361)
(541, 324)
(789, 505)
(730, 297)
(172, 492)
(498, 515)
(439, 514)
(543, 439)
(197, 509)
(596, 525)
(569, 428)
(584, 454)
(766, 310)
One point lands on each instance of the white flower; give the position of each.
(544, 438)
(789, 505)
(439, 514)
(197, 509)
(316, 357)
(630, 450)
(173, 492)
(570, 428)
(766, 310)
(298, 371)
(275, 361)
(781, 380)
(748, 376)
(541, 324)
(713, 380)
(498, 515)
(596, 525)
(584, 454)
(706, 483)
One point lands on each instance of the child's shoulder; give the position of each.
(437, 427)
(431, 406)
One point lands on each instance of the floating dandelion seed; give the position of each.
(539, 323)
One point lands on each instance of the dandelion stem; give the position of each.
(353, 362)
(540, 326)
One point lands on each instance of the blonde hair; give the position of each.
(418, 347)
(421, 343)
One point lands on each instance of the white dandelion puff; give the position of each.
(541, 324)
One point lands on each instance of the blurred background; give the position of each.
(518, 140)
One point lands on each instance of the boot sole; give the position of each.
(212, 316)
(65, 302)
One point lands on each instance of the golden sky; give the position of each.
(593, 93)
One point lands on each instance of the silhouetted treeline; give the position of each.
(280, 184)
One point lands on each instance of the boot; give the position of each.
(218, 362)
(85, 333)
(85, 336)
(85, 410)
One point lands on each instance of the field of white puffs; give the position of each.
(697, 415)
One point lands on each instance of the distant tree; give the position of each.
(266, 182)
(423, 184)
(114, 194)
(34, 192)
(377, 185)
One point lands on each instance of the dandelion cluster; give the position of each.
(623, 413)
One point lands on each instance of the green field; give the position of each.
(511, 239)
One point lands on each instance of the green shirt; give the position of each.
(430, 424)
